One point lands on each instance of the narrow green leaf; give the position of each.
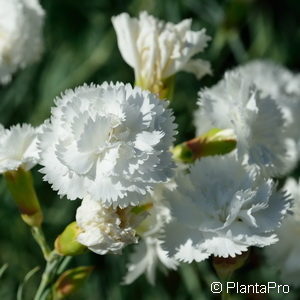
(3, 269)
(26, 278)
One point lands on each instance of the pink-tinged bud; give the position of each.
(214, 142)
(70, 281)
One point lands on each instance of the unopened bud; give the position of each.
(70, 281)
(20, 184)
(66, 243)
(214, 142)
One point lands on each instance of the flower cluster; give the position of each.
(20, 35)
(109, 146)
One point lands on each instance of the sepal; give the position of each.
(66, 243)
(20, 184)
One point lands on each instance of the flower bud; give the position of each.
(214, 142)
(226, 266)
(70, 281)
(66, 243)
(20, 184)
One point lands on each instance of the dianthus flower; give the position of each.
(256, 120)
(157, 50)
(21, 23)
(110, 141)
(222, 209)
(106, 229)
(18, 147)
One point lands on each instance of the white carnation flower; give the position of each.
(235, 103)
(284, 87)
(18, 147)
(20, 35)
(106, 230)
(109, 141)
(149, 254)
(157, 50)
(285, 254)
(222, 209)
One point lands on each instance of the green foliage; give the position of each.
(80, 46)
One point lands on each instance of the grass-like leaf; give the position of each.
(26, 278)
(3, 269)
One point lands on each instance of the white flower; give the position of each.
(106, 230)
(221, 209)
(285, 254)
(109, 141)
(284, 87)
(18, 147)
(235, 103)
(149, 254)
(20, 35)
(157, 50)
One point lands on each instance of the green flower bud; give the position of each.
(20, 184)
(70, 281)
(66, 243)
(214, 142)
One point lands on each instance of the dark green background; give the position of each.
(80, 46)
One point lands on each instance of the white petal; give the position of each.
(127, 34)
(198, 67)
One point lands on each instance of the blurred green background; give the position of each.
(80, 46)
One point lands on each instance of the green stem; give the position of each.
(53, 262)
(64, 264)
(39, 237)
